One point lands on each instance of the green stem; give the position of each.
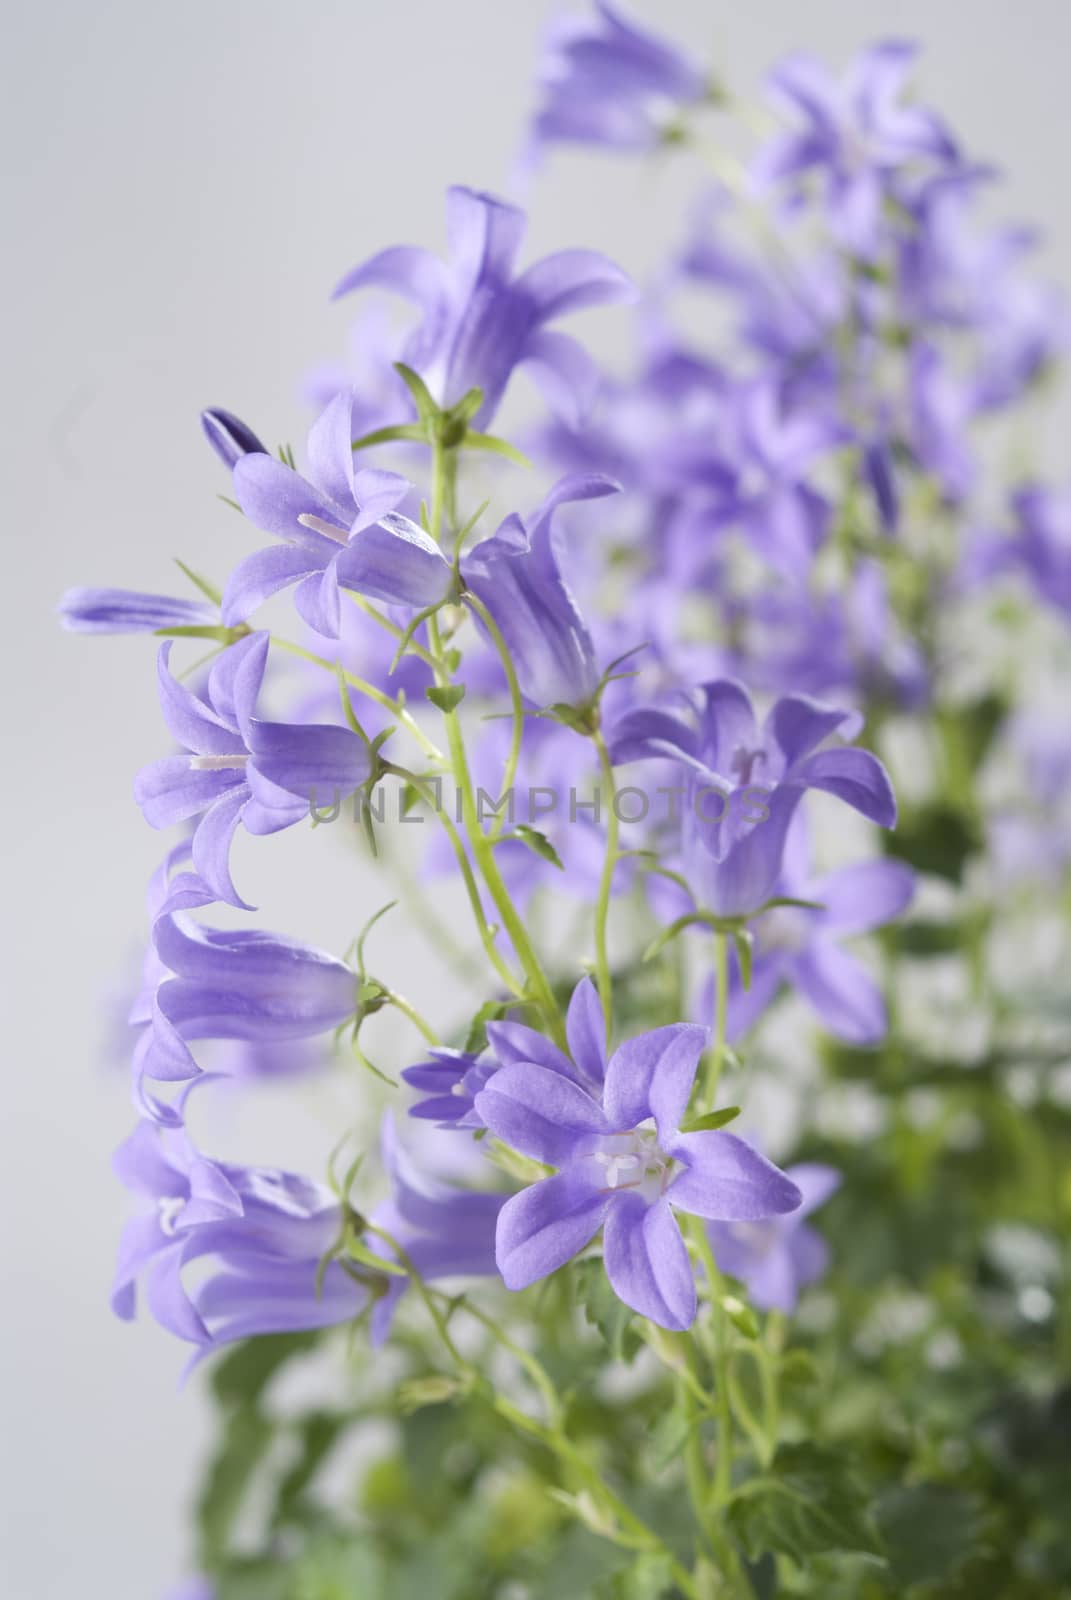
(362, 686)
(509, 773)
(412, 647)
(400, 1003)
(721, 995)
(606, 879)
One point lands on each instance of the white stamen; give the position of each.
(170, 1207)
(218, 763)
(330, 530)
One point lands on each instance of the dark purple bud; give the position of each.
(229, 436)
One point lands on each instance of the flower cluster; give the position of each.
(731, 592)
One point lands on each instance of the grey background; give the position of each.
(182, 185)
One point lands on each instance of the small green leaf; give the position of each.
(931, 1531)
(434, 1390)
(497, 447)
(740, 1315)
(710, 1119)
(476, 1038)
(744, 940)
(446, 696)
(357, 1250)
(810, 1502)
(405, 430)
(537, 842)
(209, 590)
(427, 409)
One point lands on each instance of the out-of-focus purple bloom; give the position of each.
(1043, 542)
(341, 532)
(229, 436)
(479, 321)
(238, 768)
(940, 411)
(742, 783)
(450, 1080)
(607, 81)
(801, 947)
(589, 1118)
(516, 573)
(266, 1234)
(857, 132)
(128, 611)
(243, 984)
(777, 1259)
(193, 1589)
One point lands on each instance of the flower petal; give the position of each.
(866, 896)
(585, 1029)
(843, 994)
(541, 1114)
(263, 574)
(394, 560)
(797, 724)
(566, 376)
(544, 1226)
(570, 280)
(652, 1076)
(726, 1180)
(854, 776)
(647, 1261)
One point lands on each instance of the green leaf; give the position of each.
(603, 1310)
(242, 1375)
(490, 1011)
(427, 408)
(405, 430)
(357, 1250)
(809, 1503)
(536, 842)
(931, 1531)
(935, 838)
(710, 1119)
(245, 1442)
(446, 696)
(209, 590)
(318, 1433)
(648, 1577)
(740, 1315)
(744, 941)
(497, 447)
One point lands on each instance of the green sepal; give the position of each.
(710, 1120)
(447, 696)
(537, 842)
(209, 590)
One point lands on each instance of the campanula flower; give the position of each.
(741, 784)
(480, 322)
(517, 574)
(449, 1080)
(229, 436)
(340, 528)
(238, 984)
(128, 611)
(612, 1129)
(236, 767)
(779, 1257)
(607, 81)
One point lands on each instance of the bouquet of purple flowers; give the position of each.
(699, 1229)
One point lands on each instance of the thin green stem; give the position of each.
(606, 879)
(721, 995)
(400, 1003)
(370, 690)
(509, 772)
(412, 647)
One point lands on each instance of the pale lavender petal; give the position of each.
(844, 995)
(514, 1044)
(746, 1006)
(797, 724)
(726, 1180)
(170, 791)
(394, 560)
(263, 574)
(585, 1029)
(816, 1183)
(727, 724)
(212, 845)
(407, 269)
(866, 896)
(570, 280)
(544, 1226)
(647, 1261)
(565, 374)
(316, 600)
(274, 497)
(540, 1113)
(235, 679)
(652, 1076)
(189, 720)
(330, 450)
(854, 776)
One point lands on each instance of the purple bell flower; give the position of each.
(592, 1120)
(237, 768)
(449, 1080)
(742, 784)
(607, 81)
(266, 1233)
(229, 436)
(128, 611)
(240, 984)
(341, 532)
(779, 1257)
(517, 575)
(857, 133)
(801, 948)
(480, 322)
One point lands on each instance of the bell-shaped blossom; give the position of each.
(236, 767)
(241, 984)
(1043, 541)
(856, 132)
(779, 1257)
(129, 611)
(517, 574)
(606, 81)
(229, 436)
(480, 322)
(801, 947)
(612, 1129)
(340, 531)
(741, 783)
(449, 1081)
(265, 1234)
